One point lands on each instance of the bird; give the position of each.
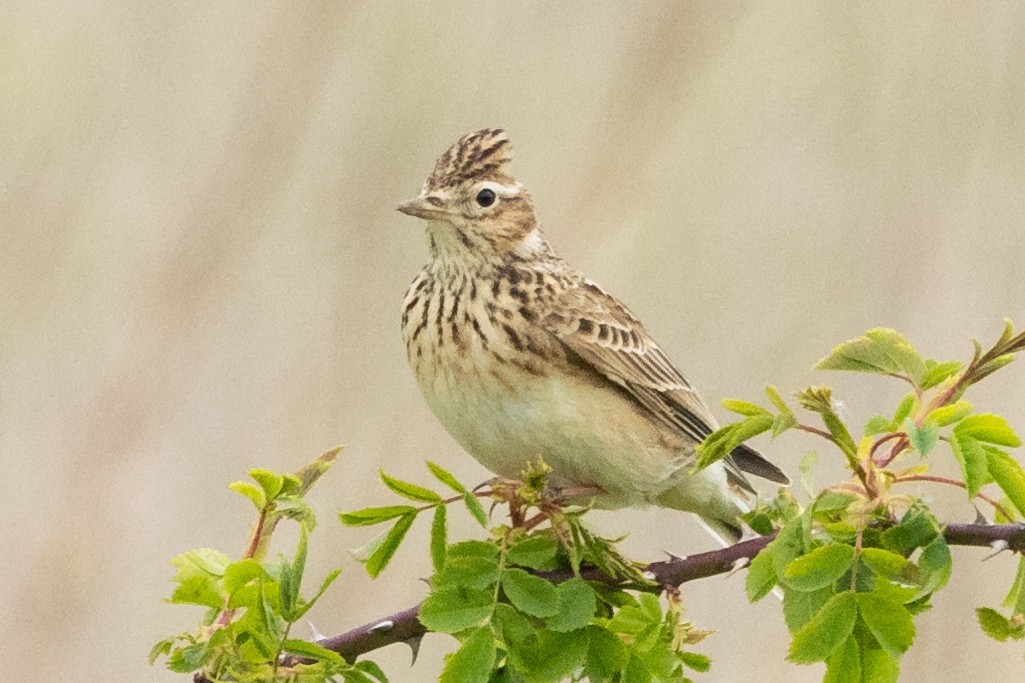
(520, 356)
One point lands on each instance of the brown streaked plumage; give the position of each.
(521, 356)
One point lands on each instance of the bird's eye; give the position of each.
(486, 197)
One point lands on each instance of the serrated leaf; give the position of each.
(777, 400)
(607, 654)
(923, 438)
(819, 568)
(200, 561)
(725, 440)
(935, 372)
(788, 544)
(988, 428)
(904, 408)
(881, 351)
(890, 565)
(826, 631)
(475, 508)
(536, 552)
(844, 665)
(446, 477)
(820, 400)
(410, 490)
(935, 565)
(378, 552)
(530, 594)
(761, 576)
(240, 573)
(577, 604)
(250, 491)
(439, 538)
(745, 408)
(889, 621)
(377, 515)
(783, 422)
(1015, 598)
(197, 590)
(451, 610)
(994, 624)
(974, 462)
(270, 481)
(915, 530)
(550, 657)
(1008, 475)
(304, 648)
(877, 424)
(948, 415)
(800, 607)
(473, 661)
(696, 661)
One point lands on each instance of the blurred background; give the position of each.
(201, 268)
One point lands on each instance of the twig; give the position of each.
(404, 626)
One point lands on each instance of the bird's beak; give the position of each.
(421, 208)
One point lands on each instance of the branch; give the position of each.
(405, 627)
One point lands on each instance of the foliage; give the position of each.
(858, 564)
(542, 598)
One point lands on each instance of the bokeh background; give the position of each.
(201, 269)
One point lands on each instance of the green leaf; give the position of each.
(1015, 598)
(577, 604)
(473, 661)
(922, 438)
(881, 351)
(240, 573)
(877, 665)
(303, 648)
(535, 552)
(607, 654)
(372, 669)
(819, 568)
(904, 408)
(889, 621)
(199, 561)
(788, 544)
(994, 624)
(938, 372)
(826, 631)
(877, 424)
(1008, 475)
(475, 508)
(250, 491)
(446, 477)
(549, 656)
(439, 538)
(378, 552)
(410, 490)
(761, 576)
(197, 590)
(844, 665)
(189, 658)
(890, 565)
(469, 572)
(935, 565)
(370, 516)
(915, 530)
(745, 408)
(270, 482)
(725, 440)
(809, 461)
(820, 400)
(800, 607)
(948, 415)
(530, 594)
(451, 610)
(989, 429)
(974, 462)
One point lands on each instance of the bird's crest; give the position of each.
(478, 156)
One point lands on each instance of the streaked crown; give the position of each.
(478, 156)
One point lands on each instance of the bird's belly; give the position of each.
(590, 435)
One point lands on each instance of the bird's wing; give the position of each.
(602, 332)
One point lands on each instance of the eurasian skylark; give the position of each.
(521, 356)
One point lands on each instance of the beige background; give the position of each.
(201, 268)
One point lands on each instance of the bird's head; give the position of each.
(473, 207)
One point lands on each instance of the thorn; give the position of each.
(998, 546)
(979, 517)
(673, 557)
(738, 564)
(382, 627)
(414, 645)
(315, 634)
(649, 576)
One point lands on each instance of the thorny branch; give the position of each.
(405, 627)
